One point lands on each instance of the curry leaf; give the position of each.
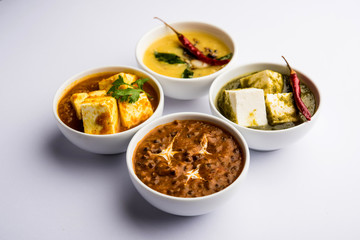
(168, 58)
(187, 73)
(228, 56)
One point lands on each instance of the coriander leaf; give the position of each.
(118, 93)
(133, 94)
(130, 95)
(117, 83)
(168, 58)
(228, 56)
(112, 89)
(140, 82)
(187, 73)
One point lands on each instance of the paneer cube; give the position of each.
(280, 108)
(246, 106)
(132, 114)
(97, 93)
(100, 115)
(106, 84)
(76, 100)
(269, 81)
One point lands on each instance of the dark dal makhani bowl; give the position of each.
(187, 163)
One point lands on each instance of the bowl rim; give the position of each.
(139, 58)
(78, 76)
(169, 118)
(236, 68)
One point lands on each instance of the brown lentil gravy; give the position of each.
(188, 158)
(87, 84)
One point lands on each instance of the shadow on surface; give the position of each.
(143, 213)
(263, 155)
(64, 153)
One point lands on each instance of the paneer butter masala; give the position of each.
(188, 158)
(106, 103)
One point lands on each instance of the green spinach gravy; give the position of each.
(306, 95)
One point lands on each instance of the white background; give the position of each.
(50, 189)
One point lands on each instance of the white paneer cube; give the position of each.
(280, 108)
(76, 100)
(269, 81)
(106, 84)
(97, 93)
(100, 115)
(247, 106)
(132, 114)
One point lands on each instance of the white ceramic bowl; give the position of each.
(179, 205)
(265, 140)
(110, 143)
(181, 88)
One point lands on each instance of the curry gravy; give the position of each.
(87, 84)
(188, 158)
(306, 96)
(170, 44)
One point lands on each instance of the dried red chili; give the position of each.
(196, 52)
(295, 83)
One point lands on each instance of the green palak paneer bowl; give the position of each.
(261, 101)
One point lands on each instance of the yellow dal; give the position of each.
(171, 44)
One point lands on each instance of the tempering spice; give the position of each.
(295, 83)
(195, 51)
